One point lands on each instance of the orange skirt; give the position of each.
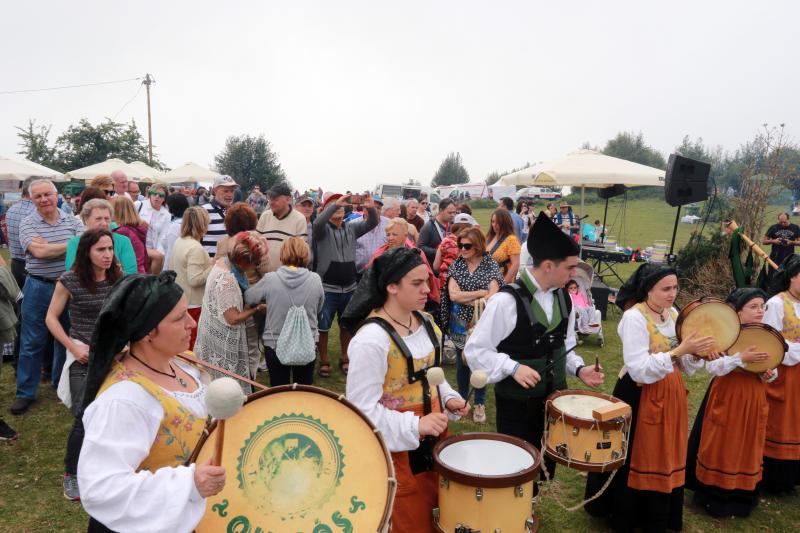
(783, 424)
(658, 461)
(418, 494)
(734, 428)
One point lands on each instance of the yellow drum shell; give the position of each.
(582, 443)
(485, 503)
(299, 457)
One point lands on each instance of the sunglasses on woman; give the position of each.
(158, 193)
(110, 192)
(465, 246)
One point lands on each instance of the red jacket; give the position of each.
(138, 237)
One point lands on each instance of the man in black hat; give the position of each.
(525, 338)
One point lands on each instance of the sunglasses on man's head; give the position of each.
(465, 246)
(158, 193)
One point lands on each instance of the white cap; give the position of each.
(465, 218)
(224, 181)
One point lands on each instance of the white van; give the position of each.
(538, 192)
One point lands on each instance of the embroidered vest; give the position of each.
(791, 323)
(399, 392)
(659, 342)
(180, 430)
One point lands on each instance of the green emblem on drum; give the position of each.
(290, 465)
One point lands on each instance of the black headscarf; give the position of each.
(738, 298)
(640, 283)
(388, 268)
(135, 306)
(783, 276)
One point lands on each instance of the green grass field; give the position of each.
(31, 468)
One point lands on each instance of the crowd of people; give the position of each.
(115, 287)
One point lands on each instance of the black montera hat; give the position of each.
(547, 241)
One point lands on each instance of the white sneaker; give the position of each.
(479, 414)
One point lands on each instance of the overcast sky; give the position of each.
(355, 93)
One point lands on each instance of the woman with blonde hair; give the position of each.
(105, 184)
(131, 226)
(221, 334)
(503, 244)
(191, 262)
(291, 285)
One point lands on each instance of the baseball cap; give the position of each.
(224, 181)
(377, 198)
(465, 218)
(304, 198)
(332, 198)
(279, 189)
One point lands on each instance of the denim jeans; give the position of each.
(335, 303)
(77, 384)
(462, 376)
(34, 337)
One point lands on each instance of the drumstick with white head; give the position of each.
(224, 398)
(477, 380)
(435, 376)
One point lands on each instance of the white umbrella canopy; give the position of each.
(22, 169)
(148, 173)
(104, 168)
(587, 168)
(188, 172)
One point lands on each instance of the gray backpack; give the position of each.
(295, 346)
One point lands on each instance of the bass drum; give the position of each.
(299, 458)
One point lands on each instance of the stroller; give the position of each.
(588, 320)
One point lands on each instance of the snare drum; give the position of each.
(709, 317)
(766, 339)
(485, 483)
(299, 458)
(576, 438)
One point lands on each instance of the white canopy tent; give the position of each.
(12, 169)
(587, 168)
(190, 172)
(148, 173)
(104, 168)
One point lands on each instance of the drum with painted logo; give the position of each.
(299, 458)
(485, 483)
(587, 430)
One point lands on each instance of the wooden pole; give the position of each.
(733, 226)
(148, 80)
(216, 459)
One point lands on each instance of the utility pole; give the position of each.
(148, 80)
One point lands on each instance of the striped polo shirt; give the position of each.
(216, 229)
(16, 214)
(61, 232)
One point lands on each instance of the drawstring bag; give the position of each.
(295, 346)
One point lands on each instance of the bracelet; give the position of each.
(674, 358)
(578, 370)
(515, 369)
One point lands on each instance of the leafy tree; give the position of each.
(35, 144)
(632, 147)
(451, 171)
(84, 144)
(250, 161)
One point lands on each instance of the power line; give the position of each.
(69, 86)
(128, 102)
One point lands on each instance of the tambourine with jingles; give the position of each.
(299, 458)
(709, 317)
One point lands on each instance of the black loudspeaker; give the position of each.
(610, 192)
(686, 181)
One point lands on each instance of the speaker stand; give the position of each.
(605, 214)
(670, 257)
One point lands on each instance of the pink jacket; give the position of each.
(138, 237)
